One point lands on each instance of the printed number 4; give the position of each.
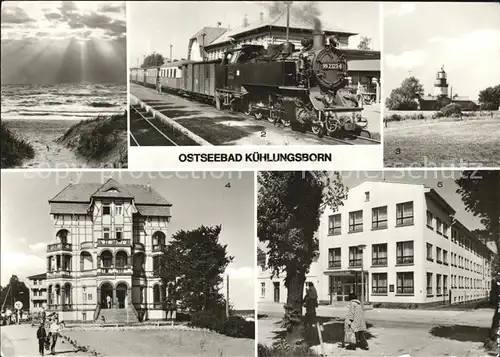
(228, 185)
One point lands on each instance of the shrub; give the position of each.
(14, 149)
(237, 326)
(451, 109)
(394, 117)
(207, 319)
(284, 350)
(489, 106)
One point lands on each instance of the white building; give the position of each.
(38, 292)
(415, 251)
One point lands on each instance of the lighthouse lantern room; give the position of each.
(441, 83)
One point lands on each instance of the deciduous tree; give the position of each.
(405, 97)
(288, 215)
(193, 265)
(489, 98)
(364, 44)
(480, 192)
(153, 60)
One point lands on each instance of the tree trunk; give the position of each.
(293, 308)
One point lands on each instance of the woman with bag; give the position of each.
(355, 324)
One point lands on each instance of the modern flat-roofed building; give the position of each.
(408, 244)
(108, 241)
(38, 292)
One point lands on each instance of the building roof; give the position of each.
(440, 201)
(279, 21)
(38, 276)
(76, 198)
(364, 66)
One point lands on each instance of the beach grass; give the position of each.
(13, 149)
(96, 138)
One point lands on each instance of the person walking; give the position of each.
(355, 322)
(108, 301)
(55, 330)
(41, 335)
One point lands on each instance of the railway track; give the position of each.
(287, 132)
(148, 131)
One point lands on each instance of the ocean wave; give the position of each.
(102, 104)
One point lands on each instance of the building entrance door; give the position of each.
(276, 292)
(121, 293)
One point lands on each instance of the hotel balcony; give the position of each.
(158, 248)
(108, 271)
(65, 247)
(113, 243)
(60, 273)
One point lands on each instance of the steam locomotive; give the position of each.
(304, 90)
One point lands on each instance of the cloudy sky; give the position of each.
(464, 37)
(50, 42)
(197, 198)
(154, 26)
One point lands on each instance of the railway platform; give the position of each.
(213, 126)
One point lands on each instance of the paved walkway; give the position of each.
(21, 341)
(479, 317)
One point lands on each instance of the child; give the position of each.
(41, 335)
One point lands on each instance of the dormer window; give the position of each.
(112, 190)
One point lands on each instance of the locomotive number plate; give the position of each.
(332, 66)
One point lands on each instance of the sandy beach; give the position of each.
(42, 135)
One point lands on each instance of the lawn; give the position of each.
(446, 142)
(162, 342)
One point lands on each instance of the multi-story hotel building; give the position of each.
(408, 244)
(108, 241)
(37, 284)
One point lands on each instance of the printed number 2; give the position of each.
(263, 134)
(228, 185)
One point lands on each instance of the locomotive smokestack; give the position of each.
(318, 40)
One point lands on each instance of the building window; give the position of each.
(379, 217)
(438, 255)
(429, 284)
(118, 210)
(106, 232)
(445, 284)
(429, 252)
(119, 232)
(453, 235)
(438, 284)
(106, 210)
(404, 214)
(379, 254)
(379, 283)
(356, 221)
(334, 258)
(404, 252)
(262, 289)
(405, 283)
(445, 257)
(334, 225)
(84, 316)
(367, 196)
(355, 255)
(439, 226)
(429, 220)
(445, 230)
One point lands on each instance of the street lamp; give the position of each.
(362, 247)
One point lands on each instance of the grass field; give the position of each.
(162, 343)
(444, 142)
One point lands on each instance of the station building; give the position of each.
(406, 242)
(37, 284)
(108, 239)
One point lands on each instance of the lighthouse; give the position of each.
(441, 83)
